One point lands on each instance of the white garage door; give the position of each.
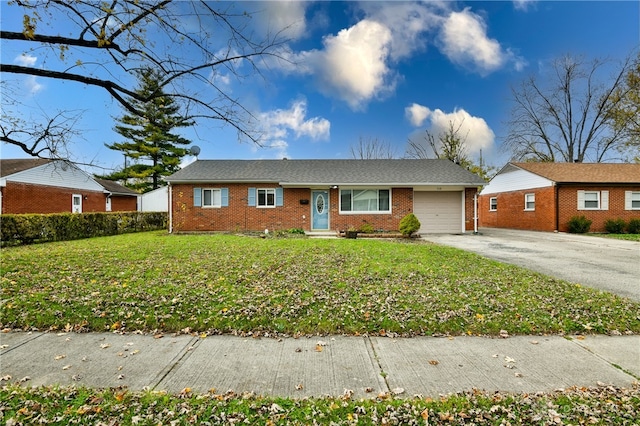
(438, 212)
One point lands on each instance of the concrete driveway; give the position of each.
(601, 263)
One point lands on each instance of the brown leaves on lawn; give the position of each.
(73, 405)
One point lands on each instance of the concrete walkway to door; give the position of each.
(601, 263)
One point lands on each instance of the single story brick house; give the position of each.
(321, 195)
(54, 186)
(544, 196)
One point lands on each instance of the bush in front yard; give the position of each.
(633, 227)
(615, 226)
(409, 224)
(579, 225)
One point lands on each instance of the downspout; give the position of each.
(475, 212)
(170, 191)
(557, 206)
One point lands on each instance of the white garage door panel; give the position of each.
(438, 212)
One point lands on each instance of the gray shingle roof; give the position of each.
(12, 166)
(328, 172)
(115, 188)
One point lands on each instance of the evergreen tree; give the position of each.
(149, 142)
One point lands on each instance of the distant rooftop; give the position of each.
(584, 172)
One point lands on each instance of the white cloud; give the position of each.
(286, 17)
(32, 85)
(352, 66)
(416, 114)
(358, 64)
(26, 60)
(30, 82)
(523, 4)
(281, 124)
(464, 40)
(479, 134)
(408, 22)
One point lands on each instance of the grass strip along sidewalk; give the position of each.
(63, 406)
(210, 284)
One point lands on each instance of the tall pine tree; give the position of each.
(154, 151)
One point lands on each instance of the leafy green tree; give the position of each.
(625, 116)
(154, 149)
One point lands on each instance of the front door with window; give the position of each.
(320, 210)
(76, 203)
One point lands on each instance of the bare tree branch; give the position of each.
(566, 117)
(186, 41)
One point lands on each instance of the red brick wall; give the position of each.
(238, 216)
(121, 203)
(511, 212)
(568, 201)
(20, 198)
(468, 208)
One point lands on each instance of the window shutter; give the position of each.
(251, 199)
(580, 200)
(197, 197)
(279, 197)
(604, 200)
(224, 197)
(627, 200)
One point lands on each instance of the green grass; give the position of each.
(628, 237)
(233, 284)
(70, 405)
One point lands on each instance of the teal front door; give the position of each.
(320, 210)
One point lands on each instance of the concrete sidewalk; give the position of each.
(319, 366)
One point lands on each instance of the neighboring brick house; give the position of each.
(55, 186)
(119, 198)
(545, 196)
(321, 195)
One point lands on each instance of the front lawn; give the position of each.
(70, 405)
(211, 284)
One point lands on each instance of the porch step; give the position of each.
(321, 234)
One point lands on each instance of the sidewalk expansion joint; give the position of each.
(616, 366)
(376, 362)
(182, 355)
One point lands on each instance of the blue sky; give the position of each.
(382, 70)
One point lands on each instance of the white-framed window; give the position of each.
(530, 202)
(211, 197)
(632, 200)
(365, 201)
(266, 197)
(493, 204)
(593, 200)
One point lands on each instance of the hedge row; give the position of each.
(18, 229)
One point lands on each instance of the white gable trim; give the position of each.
(513, 179)
(55, 173)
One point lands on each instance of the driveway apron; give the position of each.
(602, 263)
